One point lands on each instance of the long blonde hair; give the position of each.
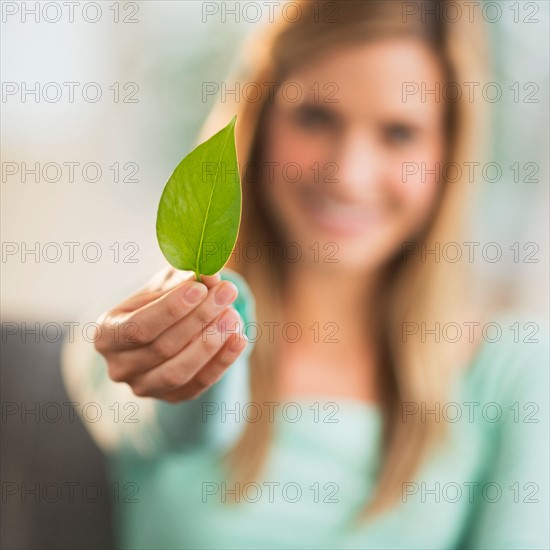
(418, 290)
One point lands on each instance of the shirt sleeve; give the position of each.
(131, 425)
(514, 512)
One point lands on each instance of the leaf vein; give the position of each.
(209, 203)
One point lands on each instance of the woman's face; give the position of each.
(364, 152)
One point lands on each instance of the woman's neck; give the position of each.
(336, 356)
(322, 296)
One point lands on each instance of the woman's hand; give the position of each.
(161, 340)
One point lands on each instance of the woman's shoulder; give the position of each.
(507, 392)
(512, 358)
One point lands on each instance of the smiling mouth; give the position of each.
(337, 217)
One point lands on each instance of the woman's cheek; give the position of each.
(415, 188)
(419, 166)
(294, 154)
(298, 160)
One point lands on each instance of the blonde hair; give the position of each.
(418, 290)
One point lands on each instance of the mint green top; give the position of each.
(487, 487)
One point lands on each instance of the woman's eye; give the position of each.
(314, 118)
(399, 134)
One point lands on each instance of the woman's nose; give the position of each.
(359, 167)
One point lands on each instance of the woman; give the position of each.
(343, 422)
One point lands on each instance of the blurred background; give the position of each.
(149, 61)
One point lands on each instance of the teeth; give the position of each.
(337, 208)
(343, 218)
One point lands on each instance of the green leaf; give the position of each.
(200, 208)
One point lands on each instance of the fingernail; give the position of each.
(195, 293)
(237, 344)
(225, 294)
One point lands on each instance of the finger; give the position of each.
(211, 280)
(211, 372)
(156, 281)
(177, 277)
(169, 277)
(180, 369)
(168, 344)
(176, 337)
(136, 301)
(155, 317)
(161, 282)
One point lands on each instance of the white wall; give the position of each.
(169, 53)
